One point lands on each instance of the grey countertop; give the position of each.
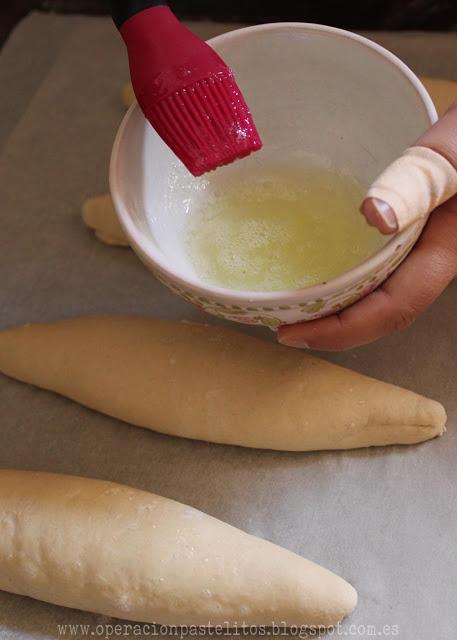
(385, 519)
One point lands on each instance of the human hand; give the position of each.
(417, 282)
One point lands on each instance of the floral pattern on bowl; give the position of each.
(272, 316)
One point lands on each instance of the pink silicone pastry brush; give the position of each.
(185, 90)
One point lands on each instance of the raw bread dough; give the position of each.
(98, 213)
(442, 92)
(212, 383)
(127, 95)
(118, 551)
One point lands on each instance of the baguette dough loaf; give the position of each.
(98, 213)
(443, 93)
(127, 95)
(118, 551)
(212, 383)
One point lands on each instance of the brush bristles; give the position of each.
(207, 124)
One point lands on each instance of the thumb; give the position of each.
(422, 178)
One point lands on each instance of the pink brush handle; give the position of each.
(186, 91)
(164, 56)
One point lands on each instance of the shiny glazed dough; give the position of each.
(118, 551)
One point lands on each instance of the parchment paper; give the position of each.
(385, 519)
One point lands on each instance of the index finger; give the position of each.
(417, 182)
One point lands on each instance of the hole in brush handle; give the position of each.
(122, 10)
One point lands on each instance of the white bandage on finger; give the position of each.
(415, 184)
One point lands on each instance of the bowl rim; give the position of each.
(148, 252)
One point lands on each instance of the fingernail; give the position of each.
(293, 341)
(379, 214)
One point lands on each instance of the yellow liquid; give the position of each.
(279, 230)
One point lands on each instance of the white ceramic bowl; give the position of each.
(318, 95)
